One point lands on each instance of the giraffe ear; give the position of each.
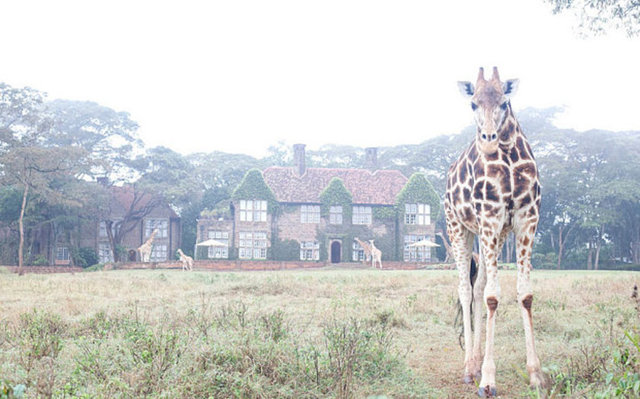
(510, 87)
(466, 88)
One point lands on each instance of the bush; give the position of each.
(40, 260)
(84, 257)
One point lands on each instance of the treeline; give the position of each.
(53, 152)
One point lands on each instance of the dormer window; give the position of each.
(335, 214)
(253, 211)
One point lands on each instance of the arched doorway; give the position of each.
(336, 251)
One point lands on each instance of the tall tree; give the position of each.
(601, 16)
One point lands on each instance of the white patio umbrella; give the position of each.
(211, 243)
(208, 243)
(424, 244)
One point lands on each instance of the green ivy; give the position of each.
(384, 212)
(253, 187)
(418, 190)
(336, 194)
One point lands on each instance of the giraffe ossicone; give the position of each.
(492, 189)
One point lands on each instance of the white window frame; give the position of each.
(309, 213)
(335, 214)
(218, 252)
(357, 252)
(417, 214)
(309, 250)
(252, 245)
(253, 210)
(160, 224)
(159, 253)
(63, 253)
(416, 254)
(102, 228)
(104, 252)
(362, 215)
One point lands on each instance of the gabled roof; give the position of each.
(123, 198)
(376, 188)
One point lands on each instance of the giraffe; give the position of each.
(187, 261)
(145, 249)
(376, 255)
(493, 189)
(366, 249)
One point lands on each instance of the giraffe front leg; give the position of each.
(461, 244)
(478, 307)
(489, 245)
(524, 244)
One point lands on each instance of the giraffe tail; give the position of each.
(458, 323)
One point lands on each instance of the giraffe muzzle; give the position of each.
(488, 142)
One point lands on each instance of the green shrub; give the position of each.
(84, 257)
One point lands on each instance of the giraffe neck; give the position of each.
(508, 129)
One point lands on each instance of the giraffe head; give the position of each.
(490, 102)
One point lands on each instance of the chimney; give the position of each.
(371, 158)
(298, 159)
(103, 181)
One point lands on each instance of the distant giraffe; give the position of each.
(376, 255)
(449, 257)
(366, 249)
(145, 249)
(493, 189)
(187, 261)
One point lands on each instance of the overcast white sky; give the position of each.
(238, 76)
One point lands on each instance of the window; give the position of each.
(162, 225)
(158, 252)
(309, 250)
(217, 235)
(104, 253)
(416, 254)
(361, 215)
(310, 214)
(417, 214)
(357, 252)
(62, 253)
(335, 215)
(102, 232)
(218, 252)
(253, 211)
(252, 245)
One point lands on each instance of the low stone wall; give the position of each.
(46, 269)
(229, 265)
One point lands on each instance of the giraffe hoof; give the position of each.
(487, 392)
(471, 378)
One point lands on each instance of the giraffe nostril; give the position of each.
(484, 136)
(494, 136)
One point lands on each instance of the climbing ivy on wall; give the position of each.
(336, 194)
(418, 190)
(253, 187)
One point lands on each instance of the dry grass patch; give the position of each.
(351, 333)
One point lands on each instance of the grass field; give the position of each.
(303, 334)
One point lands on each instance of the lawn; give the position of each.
(296, 334)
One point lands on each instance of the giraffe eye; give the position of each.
(503, 106)
(474, 106)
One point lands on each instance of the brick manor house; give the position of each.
(319, 214)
